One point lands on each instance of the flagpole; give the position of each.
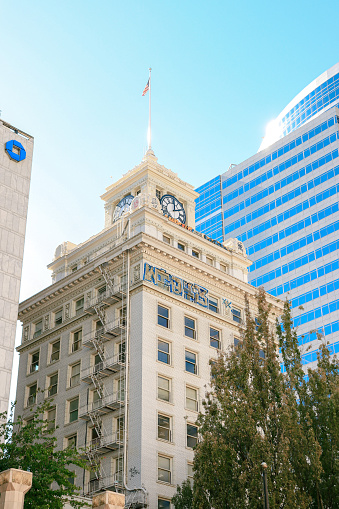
(149, 113)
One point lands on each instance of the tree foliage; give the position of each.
(254, 413)
(29, 444)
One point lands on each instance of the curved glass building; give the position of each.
(283, 204)
(320, 95)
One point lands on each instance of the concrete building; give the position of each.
(122, 339)
(282, 204)
(16, 151)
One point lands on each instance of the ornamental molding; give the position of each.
(55, 331)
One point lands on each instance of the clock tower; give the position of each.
(152, 183)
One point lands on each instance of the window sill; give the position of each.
(164, 364)
(167, 483)
(164, 401)
(32, 372)
(72, 386)
(165, 441)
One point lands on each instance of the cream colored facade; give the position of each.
(15, 179)
(122, 339)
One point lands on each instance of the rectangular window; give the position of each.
(158, 194)
(166, 239)
(119, 470)
(209, 260)
(77, 338)
(79, 306)
(261, 357)
(164, 503)
(73, 409)
(195, 253)
(163, 316)
(53, 385)
(51, 415)
(123, 316)
(32, 390)
(75, 375)
(192, 435)
(55, 351)
(96, 400)
(224, 268)
(120, 429)
(190, 330)
(236, 314)
(58, 317)
(164, 427)
(71, 441)
(191, 362)
(122, 352)
(38, 329)
(121, 390)
(164, 388)
(215, 338)
(164, 354)
(213, 304)
(34, 362)
(192, 399)
(71, 478)
(181, 246)
(164, 469)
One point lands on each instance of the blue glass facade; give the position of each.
(208, 209)
(283, 204)
(319, 96)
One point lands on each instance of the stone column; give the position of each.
(108, 500)
(13, 486)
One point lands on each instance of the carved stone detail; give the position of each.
(46, 324)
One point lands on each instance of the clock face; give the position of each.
(122, 207)
(171, 206)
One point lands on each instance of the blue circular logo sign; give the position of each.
(15, 150)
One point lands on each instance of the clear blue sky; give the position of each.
(72, 74)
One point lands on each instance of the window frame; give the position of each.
(70, 411)
(190, 436)
(169, 471)
(51, 361)
(49, 386)
(169, 390)
(78, 310)
(168, 239)
(188, 362)
(212, 338)
(164, 499)
(182, 247)
(196, 254)
(71, 377)
(211, 304)
(187, 328)
(161, 415)
(168, 354)
(76, 344)
(33, 395)
(166, 319)
(60, 319)
(34, 365)
(235, 315)
(187, 398)
(52, 422)
(38, 331)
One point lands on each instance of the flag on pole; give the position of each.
(146, 89)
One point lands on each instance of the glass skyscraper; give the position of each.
(282, 203)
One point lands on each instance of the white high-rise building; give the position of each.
(16, 151)
(122, 340)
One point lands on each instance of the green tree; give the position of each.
(251, 415)
(318, 410)
(183, 499)
(29, 444)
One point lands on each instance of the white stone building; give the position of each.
(16, 152)
(122, 339)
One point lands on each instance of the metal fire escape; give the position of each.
(104, 402)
